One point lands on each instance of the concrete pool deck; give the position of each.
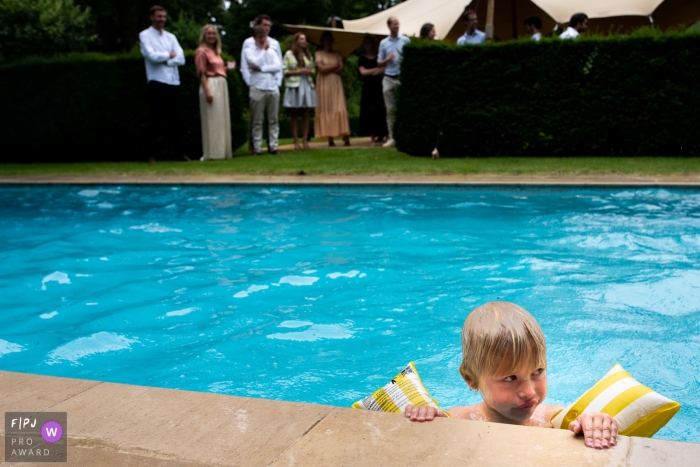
(690, 180)
(123, 425)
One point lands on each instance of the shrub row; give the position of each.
(619, 96)
(94, 107)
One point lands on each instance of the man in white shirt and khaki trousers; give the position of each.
(163, 54)
(266, 22)
(266, 71)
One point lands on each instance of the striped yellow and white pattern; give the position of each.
(406, 388)
(639, 411)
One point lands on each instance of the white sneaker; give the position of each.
(389, 144)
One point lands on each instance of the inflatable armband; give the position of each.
(639, 411)
(406, 388)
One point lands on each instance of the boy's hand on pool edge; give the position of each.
(599, 429)
(419, 413)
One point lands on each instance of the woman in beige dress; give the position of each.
(213, 96)
(331, 119)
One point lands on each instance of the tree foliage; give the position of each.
(48, 27)
(42, 27)
(118, 22)
(187, 30)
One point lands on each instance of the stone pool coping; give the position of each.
(118, 425)
(691, 180)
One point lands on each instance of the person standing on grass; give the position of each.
(331, 113)
(372, 110)
(266, 72)
(577, 24)
(533, 26)
(162, 53)
(266, 22)
(299, 93)
(471, 35)
(390, 49)
(213, 96)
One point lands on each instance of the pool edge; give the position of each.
(485, 179)
(113, 424)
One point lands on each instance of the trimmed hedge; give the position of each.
(619, 96)
(94, 107)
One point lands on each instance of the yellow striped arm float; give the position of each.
(639, 411)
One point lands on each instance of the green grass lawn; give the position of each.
(372, 161)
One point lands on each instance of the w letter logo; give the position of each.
(51, 431)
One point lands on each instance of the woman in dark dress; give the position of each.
(372, 110)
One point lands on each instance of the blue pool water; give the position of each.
(322, 294)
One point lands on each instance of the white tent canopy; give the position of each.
(509, 17)
(413, 14)
(562, 10)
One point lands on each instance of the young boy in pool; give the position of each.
(504, 357)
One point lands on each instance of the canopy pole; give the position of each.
(489, 20)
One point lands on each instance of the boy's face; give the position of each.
(515, 396)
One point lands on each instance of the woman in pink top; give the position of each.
(213, 96)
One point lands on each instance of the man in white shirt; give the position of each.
(533, 26)
(163, 54)
(265, 77)
(266, 22)
(471, 35)
(577, 24)
(389, 58)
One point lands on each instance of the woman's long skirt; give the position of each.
(331, 118)
(216, 120)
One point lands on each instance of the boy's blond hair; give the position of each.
(497, 338)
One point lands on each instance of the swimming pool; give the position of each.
(321, 294)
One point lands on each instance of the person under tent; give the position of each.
(577, 24)
(471, 35)
(533, 26)
(427, 31)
